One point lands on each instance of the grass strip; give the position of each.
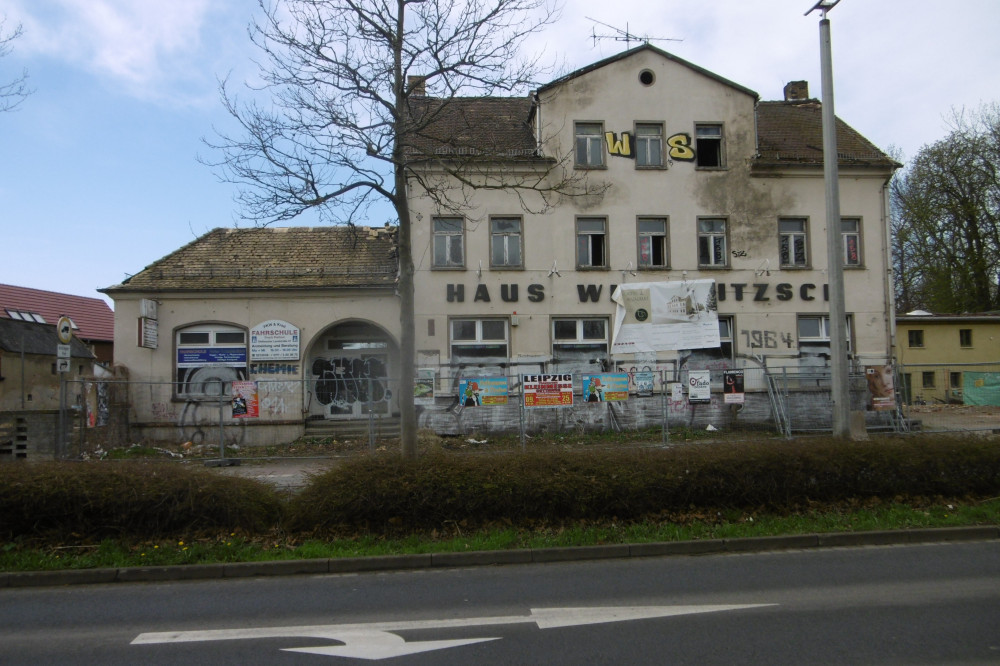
(234, 547)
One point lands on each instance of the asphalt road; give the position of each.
(919, 604)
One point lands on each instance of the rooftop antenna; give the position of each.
(620, 35)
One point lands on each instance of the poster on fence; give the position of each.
(245, 402)
(423, 387)
(699, 386)
(665, 316)
(733, 392)
(482, 391)
(605, 387)
(547, 390)
(676, 391)
(643, 384)
(881, 386)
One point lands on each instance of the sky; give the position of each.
(100, 175)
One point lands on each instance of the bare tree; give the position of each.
(946, 223)
(13, 92)
(359, 100)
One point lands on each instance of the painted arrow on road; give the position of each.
(378, 640)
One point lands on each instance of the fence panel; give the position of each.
(951, 397)
(239, 419)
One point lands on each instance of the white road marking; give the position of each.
(375, 640)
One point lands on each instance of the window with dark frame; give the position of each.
(955, 380)
(209, 358)
(653, 249)
(726, 337)
(448, 239)
(927, 379)
(591, 242)
(474, 339)
(708, 145)
(850, 228)
(915, 337)
(505, 242)
(814, 330)
(793, 248)
(965, 337)
(712, 251)
(589, 145)
(575, 336)
(649, 145)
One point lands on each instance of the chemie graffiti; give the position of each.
(344, 383)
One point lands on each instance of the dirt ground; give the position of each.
(959, 418)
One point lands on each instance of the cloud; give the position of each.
(146, 47)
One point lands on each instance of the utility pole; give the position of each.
(839, 390)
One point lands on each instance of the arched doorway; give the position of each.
(350, 372)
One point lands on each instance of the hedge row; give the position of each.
(387, 494)
(382, 493)
(129, 499)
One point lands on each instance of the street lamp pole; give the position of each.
(840, 394)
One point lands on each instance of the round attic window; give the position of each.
(646, 77)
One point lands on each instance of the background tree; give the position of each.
(354, 99)
(946, 220)
(13, 92)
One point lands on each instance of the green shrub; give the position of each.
(146, 500)
(385, 493)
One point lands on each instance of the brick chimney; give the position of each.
(417, 85)
(796, 91)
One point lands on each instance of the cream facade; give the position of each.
(308, 316)
(696, 180)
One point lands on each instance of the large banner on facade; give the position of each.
(665, 316)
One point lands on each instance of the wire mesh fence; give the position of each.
(951, 397)
(659, 405)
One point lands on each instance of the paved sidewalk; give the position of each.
(284, 473)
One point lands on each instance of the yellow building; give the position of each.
(949, 358)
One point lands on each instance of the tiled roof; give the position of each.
(94, 318)
(31, 338)
(470, 127)
(273, 258)
(791, 133)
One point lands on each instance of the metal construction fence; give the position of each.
(238, 418)
(950, 397)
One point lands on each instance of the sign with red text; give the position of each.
(547, 390)
(245, 400)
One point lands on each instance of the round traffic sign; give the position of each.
(64, 329)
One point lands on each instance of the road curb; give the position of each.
(494, 557)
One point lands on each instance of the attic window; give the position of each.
(25, 316)
(646, 77)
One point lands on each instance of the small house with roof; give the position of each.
(952, 358)
(308, 315)
(92, 320)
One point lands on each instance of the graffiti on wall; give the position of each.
(351, 385)
(678, 146)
